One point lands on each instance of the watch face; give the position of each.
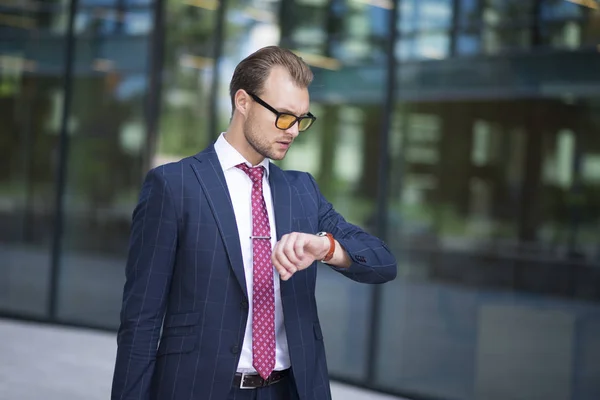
(321, 234)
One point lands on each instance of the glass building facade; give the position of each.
(466, 133)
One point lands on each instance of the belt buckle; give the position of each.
(244, 374)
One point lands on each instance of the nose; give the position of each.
(293, 130)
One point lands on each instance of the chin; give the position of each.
(277, 156)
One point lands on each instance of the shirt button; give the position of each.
(235, 349)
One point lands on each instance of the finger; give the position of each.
(290, 247)
(285, 275)
(286, 264)
(280, 269)
(299, 248)
(280, 259)
(304, 259)
(275, 256)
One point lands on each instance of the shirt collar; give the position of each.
(229, 157)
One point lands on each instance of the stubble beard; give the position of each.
(259, 144)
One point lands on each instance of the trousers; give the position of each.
(282, 390)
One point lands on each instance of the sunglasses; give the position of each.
(286, 120)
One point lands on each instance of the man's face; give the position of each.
(283, 95)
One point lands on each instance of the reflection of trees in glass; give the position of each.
(186, 33)
(249, 24)
(8, 138)
(350, 32)
(329, 138)
(187, 50)
(24, 117)
(504, 11)
(28, 153)
(99, 168)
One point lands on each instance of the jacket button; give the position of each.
(235, 349)
(244, 305)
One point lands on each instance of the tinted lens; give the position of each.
(285, 121)
(305, 123)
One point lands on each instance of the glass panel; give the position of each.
(252, 24)
(425, 14)
(31, 100)
(138, 22)
(559, 9)
(350, 33)
(104, 21)
(591, 31)
(497, 40)
(468, 43)
(187, 79)
(562, 35)
(105, 166)
(364, 32)
(494, 212)
(469, 12)
(423, 46)
(108, 3)
(507, 11)
(305, 26)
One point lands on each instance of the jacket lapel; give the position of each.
(282, 205)
(282, 200)
(210, 175)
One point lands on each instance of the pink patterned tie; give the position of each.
(263, 297)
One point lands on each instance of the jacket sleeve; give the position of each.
(372, 261)
(152, 249)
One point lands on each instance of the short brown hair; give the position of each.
(252, 72)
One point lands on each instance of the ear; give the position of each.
(242, 102)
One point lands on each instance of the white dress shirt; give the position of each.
(240, 190)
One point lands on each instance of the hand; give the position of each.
(297, 251)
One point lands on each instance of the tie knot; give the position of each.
(255, 173)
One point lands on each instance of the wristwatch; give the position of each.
(331, 246)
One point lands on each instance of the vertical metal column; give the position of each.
(63, 151)
(383, 185)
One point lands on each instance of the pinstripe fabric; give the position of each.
(185, 305)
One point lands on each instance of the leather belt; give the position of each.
(245, 380)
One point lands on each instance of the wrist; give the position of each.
(328, 246)
(324, 247)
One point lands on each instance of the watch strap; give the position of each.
(329, 254)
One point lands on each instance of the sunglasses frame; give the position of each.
(279, 114)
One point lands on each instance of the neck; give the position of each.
(236, 138)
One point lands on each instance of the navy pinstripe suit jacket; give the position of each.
(185, 303)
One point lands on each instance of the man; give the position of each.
(222, 261)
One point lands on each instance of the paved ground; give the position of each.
(56, 363)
